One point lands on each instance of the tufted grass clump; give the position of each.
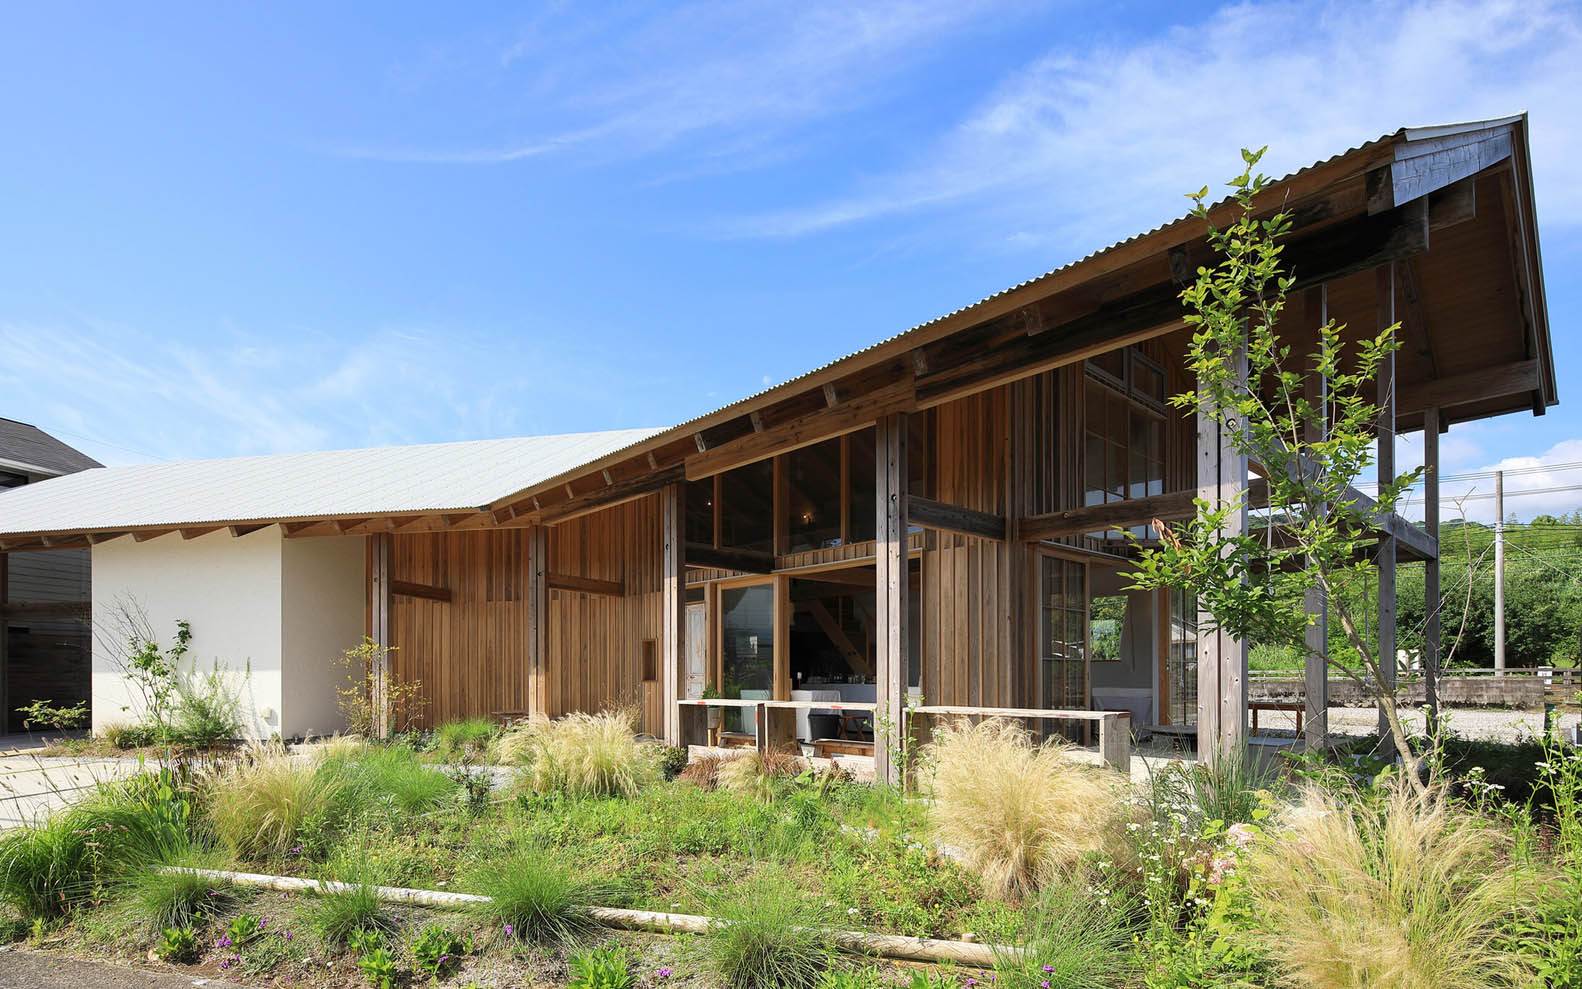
(534, 898)
(48, 868)
(391, 777)
(336, 914)
(767, 937)
(171, 895)
(467, 738)
(1021, 815)
(581, 755)
(258, 807)
(1403, 891)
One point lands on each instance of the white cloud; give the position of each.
(725, 77)
(1085, 146)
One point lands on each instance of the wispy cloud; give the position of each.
(1081, 147)
(160, 399)
(725, 77)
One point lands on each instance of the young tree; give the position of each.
(1312, 453)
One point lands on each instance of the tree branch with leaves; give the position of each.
(1310, 445)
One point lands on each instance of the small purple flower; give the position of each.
(1049, 968)
(263, 922)
(1044, 984)
(223, 942)
(213, 894)
(664, 973)
(509, 930)
(288, 935)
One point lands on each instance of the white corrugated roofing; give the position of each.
(433, 477)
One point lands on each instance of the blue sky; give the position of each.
(237, 229)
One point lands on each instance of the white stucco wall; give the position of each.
(324, 596)
(227, 588)
(274, 612)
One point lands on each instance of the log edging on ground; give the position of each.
(895, 946)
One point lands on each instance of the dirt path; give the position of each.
(43, 970)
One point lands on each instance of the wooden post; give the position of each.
(5, 645)
(892, 592)
(1221, 658)
(673, 604)
(379, 599)
(1386, 472)
(1316, 658)
(1431, 601)
(538, 620)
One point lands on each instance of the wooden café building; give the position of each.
(933, 523)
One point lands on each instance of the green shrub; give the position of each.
(607, 967)
(123, 735)
(767, 937)
(338, 913)
(672, 761)
(465, 739)
(379, 968)
(46, 714)
(582, 755)
(763, 776)
(257, 807)
(178, 945)
(533, 898)
(365, 940)
(204, 712)
(1230, 789)
(863, 978)
(437, 950)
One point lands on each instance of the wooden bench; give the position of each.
(826, 748)
(1257, 706)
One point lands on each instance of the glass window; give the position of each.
(1065, 618)
(1181, 663)
(747, 648)
(747, 507)
(1106, 623)
(860, 484)
(813, 495)
(1123, 450)
(700, 511)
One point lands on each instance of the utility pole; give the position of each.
(1499, 573)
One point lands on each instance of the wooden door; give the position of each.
(697, 649)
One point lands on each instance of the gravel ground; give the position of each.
(1492, 724)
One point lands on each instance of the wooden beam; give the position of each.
(892, 591)
(745, 560)
(703, 445)
(831, 398)
(939, 515)
(672, 607)
(1168, 507)
(203, 530)
(815, 427)
(406, 588)
(537, 631)
(585, 585)
(45, 610)
(1453, 204)
(144, 535)
(1495, 381)
(620, 491)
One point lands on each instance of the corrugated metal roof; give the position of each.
(30, 446)
(434, 477)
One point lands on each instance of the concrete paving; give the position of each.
(21, 969)
(34, 786)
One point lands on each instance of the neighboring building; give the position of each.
(44, 645)
(923, 518)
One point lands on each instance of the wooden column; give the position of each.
(5, 645)
(1386, 472)
(1221, 658)
(1431, 600)
(538, 620)
(380, 550)
(673, 603)
(1316, 663)
(891, 590)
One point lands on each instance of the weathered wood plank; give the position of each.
(407, 588)
(932, 514)
(585, 585)
(891, 591)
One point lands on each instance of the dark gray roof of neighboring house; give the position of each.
(29, 446)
